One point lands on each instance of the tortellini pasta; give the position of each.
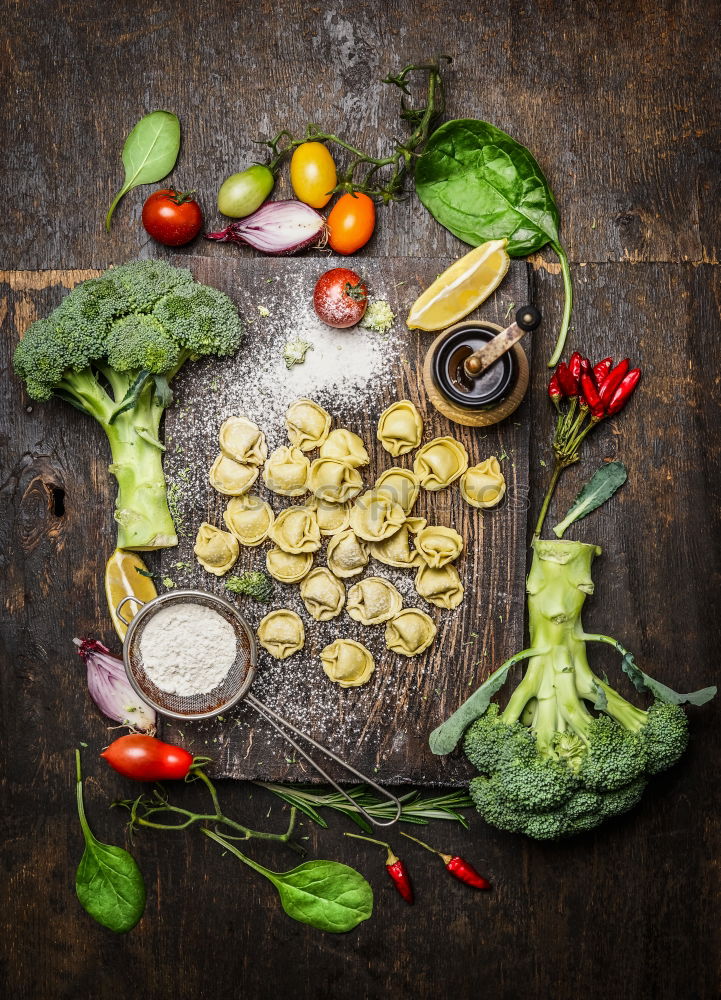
(410, 632)
(249, 519)
(441, 587)
(332, 517)
(347, 554)
(373, 600)
(401, 485)
(286, 472)
(296, 530)
(440, 462)
(376, 517)
(230, 477)
(484, 485)
(307, 423)
(400, 428)
(216, 550)
(348, 663)
(281, 633)
(438, 545)
(323, 594)
(396, 550)
(346, 447)
(332, 480)
(288, 567)
(243, 441)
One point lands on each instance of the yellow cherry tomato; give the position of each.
(313, 174)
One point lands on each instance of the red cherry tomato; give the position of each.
(173, 218)
(340, 298)
(143, 758)
(351, 223)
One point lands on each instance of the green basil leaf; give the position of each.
(108, 882)
(325, 894)
(599, 488)
(149, 153)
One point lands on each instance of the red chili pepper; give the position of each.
(574, 365)
(601, 370)
(554, 391)
(591, 396)
(612, 381)
(623, 392)
(456, 865)
(396, 869)
(568, 384)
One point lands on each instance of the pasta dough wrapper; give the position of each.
(441, 587)
(249, 518)
(296, 530)
(281, 633)
(400, 428)
(243, 441)
(347, 554)
(286, 566)
(376, 517)
(396, 550)
(440, 462)
(230, 477)
(334, 481)
(331, 517)
(410, 632)
(215, 549)
(484, 485)
(286, 472)
(345, 446)
(323, 594)
(373, 600)
(307, 423)
(348, 663)
(401, 485)
(438, 545)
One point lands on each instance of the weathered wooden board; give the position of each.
(383, 727)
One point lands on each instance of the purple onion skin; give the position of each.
(110, 688)
(250, 229)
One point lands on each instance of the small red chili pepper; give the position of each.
(554, 391)
(591, 396)
(586, 368)
(612, 381)
(623, 392)
(456, 865)
(396, 869)
(574, 365)
(568, 384)
(601, 370)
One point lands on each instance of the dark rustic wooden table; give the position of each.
(619, 102)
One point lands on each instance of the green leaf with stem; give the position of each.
(600, 487)
(149, 153)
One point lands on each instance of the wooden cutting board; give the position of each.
(381, 728)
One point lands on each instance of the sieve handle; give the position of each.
(278, 722)
(130, 597)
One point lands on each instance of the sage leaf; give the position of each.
(599, 488)
(481, 184)
(325, 894)
(149, 153)
(108, 882)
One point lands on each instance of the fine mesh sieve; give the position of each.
(234, 686)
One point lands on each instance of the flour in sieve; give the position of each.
(187, 649)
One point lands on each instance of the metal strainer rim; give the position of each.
(151, 607)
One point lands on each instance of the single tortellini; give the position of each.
(216, 550)
(346, 447)
(281, 633)
(332, 480)
(438, 545)
(230, 477)
(288, 567)
(484, 485)
(249, 518)
(376, 517)
(348, 663)
(347, 554)
(396, 550)
(400, 428)
(243, 441)
(410, 632)
(296, 530)
(286, 472)
(373, 600)
(308, 424)
(332, 517)
(323, 594)
(401, 485)
(441, 587)
(440, 462)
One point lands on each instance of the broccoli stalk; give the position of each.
(110, 349)
(568, 751)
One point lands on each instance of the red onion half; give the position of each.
(278, 227)
(110, 688)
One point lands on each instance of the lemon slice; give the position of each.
(124, 578)
(462, 287)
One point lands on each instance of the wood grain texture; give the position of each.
(618, 102)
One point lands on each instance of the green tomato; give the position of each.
(242, 193)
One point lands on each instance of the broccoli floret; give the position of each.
(378, 316)
(110, 348)
(615, 756)
(255, 584)
(665, 736)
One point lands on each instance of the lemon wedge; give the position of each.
(124, 577)
(462, 287)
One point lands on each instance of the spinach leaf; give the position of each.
(324, 894)
(108, 882)
(149, 153)
(481, 184)
(599, 488)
